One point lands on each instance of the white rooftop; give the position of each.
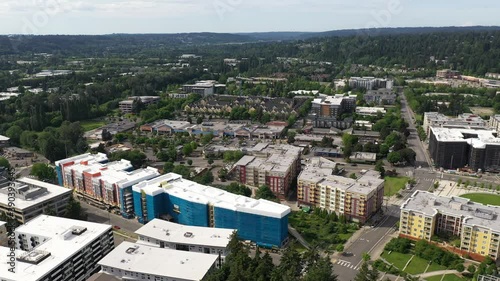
(172, 232)
(99, 157)
(175, 185)
(60, 243)
(476, 138)
(52, 192)
(181, 265)
(4, 138)
(126, 179)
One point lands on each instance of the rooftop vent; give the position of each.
(34, 257)
(132, 250)
(77, 230)
(188, 234)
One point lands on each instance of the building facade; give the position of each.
(380, 97)
(52, 248)
(327, 111)
(33, 198)
(185, 202)
(370, 83)
(274, 165)
(127, 105)
(464, 121)
(425, 215)
(458, 148)
(358, 200)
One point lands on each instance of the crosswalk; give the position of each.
(428, 179)
(347, 264)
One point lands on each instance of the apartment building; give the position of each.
(52, 248)
(109, 184)
(370, 83)
(448, 74)
(494, 123)
(464, 121)
(458, 148)
(425, 215)
(182, 201)
(132, 261)
(380, 97)
(127, 105)
(327, 111)
(273, 165)
(203, 88)
(165, 234)
(32, 198)
(356, 199)
(370, 111)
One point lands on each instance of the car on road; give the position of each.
(116, 227)
(354, 164)
(347, 254)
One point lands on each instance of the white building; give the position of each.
(131, 261)
(465, 121)
(370, 111)
(370, 83)
(203, 88)
(164, 234)
(32, 198)
(495, 123)
(52, 248)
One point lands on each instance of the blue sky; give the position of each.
(172, 16)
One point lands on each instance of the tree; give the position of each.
(74, 210)
(264, 192)
(14, 133)
(43, 172)
(183, 171)
(210, 161)
(199, 120)
(471, 268)
(136, 157)
(460, 267)
(239, 189)
(353, 176)
(207, 138)
(321, 270)
(340, 248)
(190, 162)
(291, 137)
(367, 274)
(168, 167)
(4, 163)
(394, 157)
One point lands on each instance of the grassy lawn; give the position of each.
(91, 125)
(399, 260)
(435, 267)
(417, 266)
(447, 277)
(483, 198)
(393, 185)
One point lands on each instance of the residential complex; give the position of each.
(165, 234)
(183, 201)
(203, 88)
(52, 248)
(465, 121)
(32, 198)
(127, 105)
(327, 111)
(494, 123)
(448, 74)
(273, 165)
(106, 183)
(131, 261)
(380, 97)
(370, 111)
(458, 148)
(425, 215)
(272, 130)
(357, 199)
(370, 83)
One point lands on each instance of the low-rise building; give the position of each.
(166, 127)
(448, 74)
(425, 215)
(32, 198)
(4, 141)
(165, 234)
(370, 111)
(16, 152)
(363, 157)
(131, 261)
(356, 199)
(363, 125)
(188, 203)
(370, 83)
(327, 152)
(380, 97)
(203, 88)
(53, 248)
(273, 165)
(127, 105)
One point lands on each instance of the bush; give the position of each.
(400, 245)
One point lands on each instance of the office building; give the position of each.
(327, 111)
(458, 148)
(380, 97)
(183, 201)
(203, 88)
(32, 198)
(273, 165)
(425, 215)
(108, 184)
(206, 240)
(464, 121)
(52, 248)
(127, 106)
(131, 261)
(370, 83)
(358, 200)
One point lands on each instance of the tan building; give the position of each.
(425, 215)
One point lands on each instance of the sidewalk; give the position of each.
(434, 273)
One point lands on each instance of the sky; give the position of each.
(176, 16)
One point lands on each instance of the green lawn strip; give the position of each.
(91, 125)
(483, 198)
(417, 266)
(394, 185)
(447, 277)
(397, 259)
(436, 267)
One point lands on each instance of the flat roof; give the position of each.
(60, 242)
(172, 232)
(175, 185)
(125, 179)
(52, 192)
(476, 138)
(159, 261)
(99, 157)
(476, 214)
(4, 138)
